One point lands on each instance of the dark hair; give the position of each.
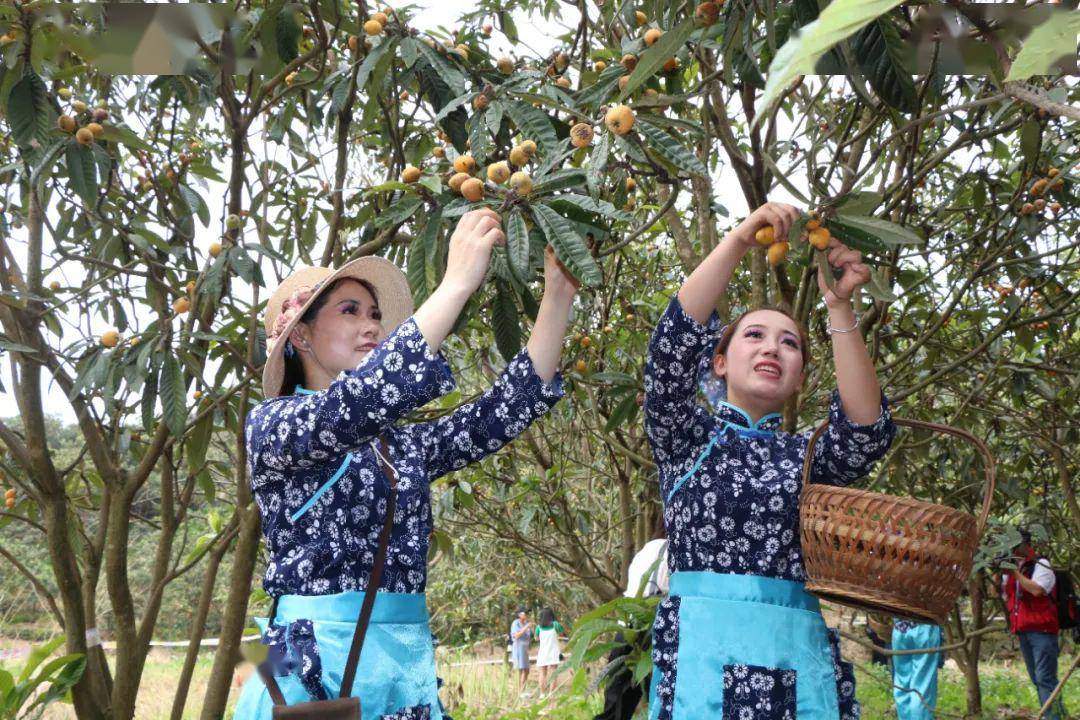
(547, 617)
(294, 368)
(729, 331)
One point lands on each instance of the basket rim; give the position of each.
(989, 466)
(851, 492)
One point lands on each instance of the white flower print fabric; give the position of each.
(731, 493)
(297, 445)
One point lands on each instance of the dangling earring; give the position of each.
(289, 350)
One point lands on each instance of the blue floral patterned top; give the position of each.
(317, 480)
(730, 486)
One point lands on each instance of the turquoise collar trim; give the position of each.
(301, 390)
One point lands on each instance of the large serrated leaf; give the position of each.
(480, 144)
(888, 232)
(878, 288)
(172, 395)
(195, 204)
(606, 83)
(598, 159)
(800, 54)
(447, 72)
(198, 442)
(569, 245)
(882, 55)
(82, 172)
(149, 399)
(517, 245)
(505, 322)
(28, 110)
(654, 58)
(559, 180)
(398, 212)
(588, 204)
(672, 150)
(534, 124)
(1050, 45)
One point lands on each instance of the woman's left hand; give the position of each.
(557, 278)
(855, 275)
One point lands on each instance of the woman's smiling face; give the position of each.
(763, 363)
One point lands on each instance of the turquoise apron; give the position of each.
(728, 623)
(397, 664)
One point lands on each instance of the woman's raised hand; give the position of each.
(855, 275)
(780, 216)
(477, 232)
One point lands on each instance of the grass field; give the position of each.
(489, 692)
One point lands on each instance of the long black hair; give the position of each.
(294, 368)
(547, 617)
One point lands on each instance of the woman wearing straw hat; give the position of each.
(347, 360)
(738, 636)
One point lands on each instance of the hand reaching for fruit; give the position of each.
(557, 279)
(773, 220)
(855, 273)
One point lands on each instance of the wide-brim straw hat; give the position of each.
(298, 291)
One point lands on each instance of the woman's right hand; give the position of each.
(477, 232)
(780, 216)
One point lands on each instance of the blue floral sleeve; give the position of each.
(481, 427)
(673, 417)
(847, 451)
(399, 375)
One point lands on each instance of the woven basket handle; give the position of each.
(988, 460)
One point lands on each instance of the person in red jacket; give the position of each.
(1033, 618)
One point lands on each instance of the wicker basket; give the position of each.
(884, 554)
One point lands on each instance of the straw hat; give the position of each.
(298, 291)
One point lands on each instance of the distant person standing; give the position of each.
(549, 652)
(521, 638)
(1033, 617)
(915, 676)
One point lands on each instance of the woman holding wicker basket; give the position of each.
(739, 636)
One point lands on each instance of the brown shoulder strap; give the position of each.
(376, 573)
(369, 596)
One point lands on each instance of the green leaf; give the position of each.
(149, 399)
(606, 83)
(196, 204)
(505, 322)
(38, 655)
(654, 58)
(447, 72)
(534, 123)
(623, 413)
(882, 55)
(82, 172)
(558, 180)
(172, 395)
(672, 150)
(588, 204)
(399, 211)
(1030, 138)
(615, 378)
(598, 163)
(28, 110)
(799, 55)
(479, 140)
(860, 202)
(372, 59)
(124, 136)
(287, 34)
(569, 245)
(878, 288)
(888, 232)
(1050, 47)
(517, 245)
